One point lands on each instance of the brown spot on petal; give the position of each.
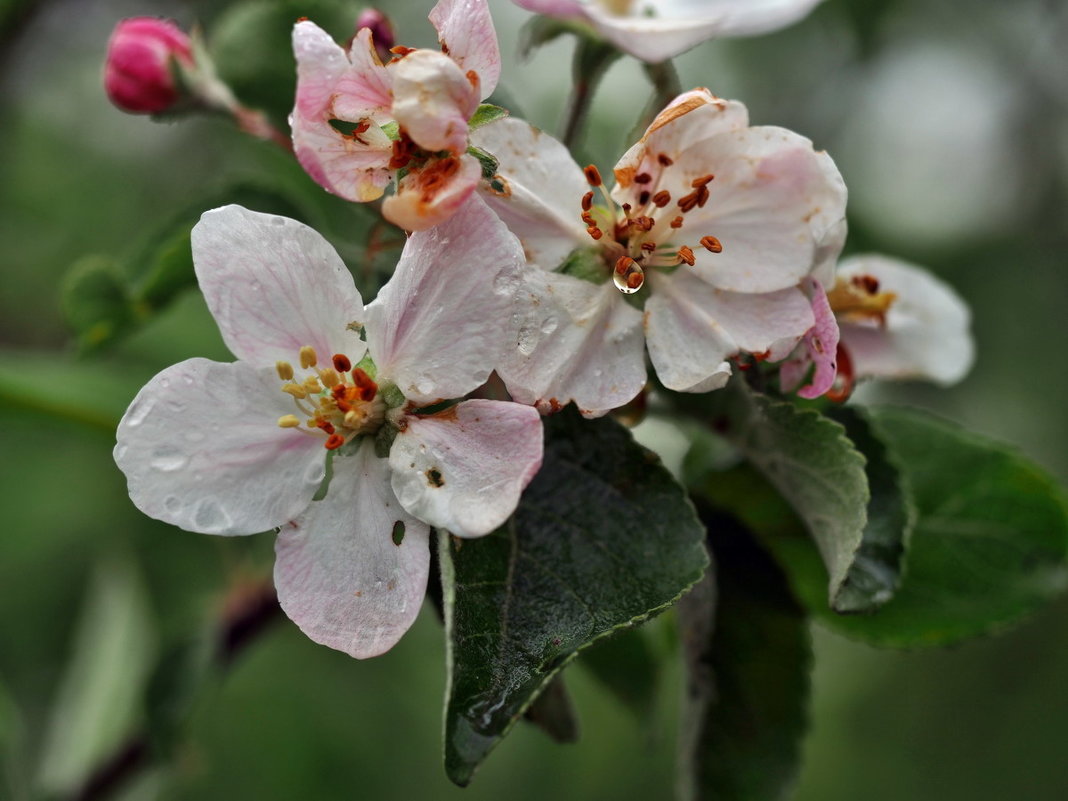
(434, 479)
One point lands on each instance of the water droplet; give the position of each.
(210, 517)
(629, 277)
(548, 325)
(172, 503)
(137, 413)
(527, 341)
(424, 386)
(188, 379)
(167, 459)
(120, 451)
(315, 473)
(165, 382)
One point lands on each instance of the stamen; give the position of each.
(587, 201)
(334, 441)
(285, 370)
(648, 247)
(296, 390)
(594, 232)
(661, 198)
(311, 384)
(342, 363)
(677, 222)
(689, 202)
(365, 385)
(643, 198)
(664, 160)
(288, 421)
(712, 244)
(593, 175)
(323, 424)
(686, 255)
(329, 377)
(308, 357)
(704, 180)
(642, 178)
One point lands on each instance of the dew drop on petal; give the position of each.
(630, 280)
(315, 473)
(139, 411)
(172, 503)
(210, 516)
(120, 451)
(548, 325)
(167, 459)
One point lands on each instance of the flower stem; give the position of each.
(591, 61)
(666, 87)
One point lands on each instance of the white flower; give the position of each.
(712, 225)
(241, 447)
(656, 30)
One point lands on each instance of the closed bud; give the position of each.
(139, 70)
(381, 31)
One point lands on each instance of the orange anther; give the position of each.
(593, 175)
(334, 441)
(687, 255)
(661, 198)
(712, 244)
(342, 363)
(587, 201)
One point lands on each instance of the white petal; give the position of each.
(432, 100)
(578, 342)
(274, 285)
(465, 30)
(444, 320)
(465, 468)
(429, 195)
(340, 576)
(927, 328)
(364, 89)
(543, 188)
(201, 449)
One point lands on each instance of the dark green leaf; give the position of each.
(627, 666)
(486, 113)
(748, 657)
(603, 538)
(13, 781)
(875, 574)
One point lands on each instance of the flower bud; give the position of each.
(138, 72)
(381, 31)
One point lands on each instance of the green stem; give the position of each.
(666, 87)
(591, 61)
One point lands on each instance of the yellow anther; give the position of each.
(288, 421)
(311, 384)
(308, 358)
(296, 390)
(353, 419)
(329, 377)
(285, 370)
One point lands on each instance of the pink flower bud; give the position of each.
(381, 31)
(138, 73)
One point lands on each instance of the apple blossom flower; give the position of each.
(235, 448)
(896, 321)
(656, 30)
(359, 125)
(139, 70)
(710, 228)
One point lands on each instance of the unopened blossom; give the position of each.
(656, 30)
(359, 124)
(894, 320)
(235, 448)
(697, 253)
(143, 55)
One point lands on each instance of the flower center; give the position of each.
(626, 232)
(339, 402)
(858, 299)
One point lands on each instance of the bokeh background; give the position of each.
(949, 120)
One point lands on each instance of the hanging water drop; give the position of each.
(628, 276)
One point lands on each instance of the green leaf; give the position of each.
(875, 573)
(99, 696)
(485, 114)
(95, 298)
(808, 458)
(554, 713)
(990, 542)
(602, 539)
(626, 665)
(748, 655)
(13, 784)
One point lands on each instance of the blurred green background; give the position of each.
(949, 121)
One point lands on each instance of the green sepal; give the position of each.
(489, 163)
(485, 114)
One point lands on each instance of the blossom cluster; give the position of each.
(715, 244)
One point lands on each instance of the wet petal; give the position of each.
(927, 327)
(542, 189)
(465, 30)
(340, 573)
(274, 285)
(465, 468)
(432, 100)
(819, 349)
(364, 90)
(431, 194)
(443, 321)
(355, 167)
(578, 341)
(201, 449)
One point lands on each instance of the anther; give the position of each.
(711, 244)
(334, 441)
(401, 50)
(288, 421)
(643, 198)
(661, 198)
(643, 178)
(595, 232)
(285, 370)
(648, 247)
(342, 363)
(311, 385)
(587, 201)
(697, 183)
(664, 160)
(623, 264)
(308, 357)
(329, 377)
(588, 218)
(296, 390)
(365, 385)
(324, 425)
(593, 175)
(686, 255)
(677, 222)
(689, 202)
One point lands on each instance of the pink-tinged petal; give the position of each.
(428, 196)
(464, 469)
(579, 342)
(201, 449)
(355, 167)
(542, 189)
(363, 90)
(432, 100)
(274, 285)
(443, 321)
(341, 574)
(773, 203)
(819, 349)
(927, 333)
(553, 8)
(320, 64)
(465, 30)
